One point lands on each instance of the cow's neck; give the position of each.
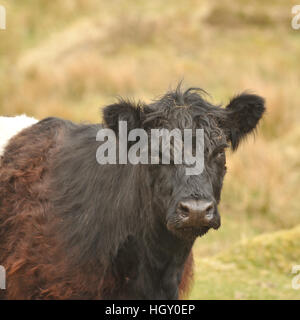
(150, 265)
(164, 260)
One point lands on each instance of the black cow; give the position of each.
(72, 228)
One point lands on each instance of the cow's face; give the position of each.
(187, 204)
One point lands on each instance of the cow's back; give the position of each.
(24, 205)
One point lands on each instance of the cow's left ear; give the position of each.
(122, 111)
(241, 117)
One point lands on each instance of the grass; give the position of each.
(257, 268)
(69, 58)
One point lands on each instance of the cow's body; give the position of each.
(71, 228)
(32, 248)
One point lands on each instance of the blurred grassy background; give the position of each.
(68, 58)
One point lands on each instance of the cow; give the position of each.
(71, 228)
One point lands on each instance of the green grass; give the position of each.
(259, 268)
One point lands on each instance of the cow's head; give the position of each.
(187, 204)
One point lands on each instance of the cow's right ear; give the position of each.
(122, 111)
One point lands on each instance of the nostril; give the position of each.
(184, 207)
(209, 208)
(209, 212)
(209, 215)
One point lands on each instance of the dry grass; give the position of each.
(69, 58)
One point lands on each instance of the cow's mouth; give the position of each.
(194, 232)
(189, 233)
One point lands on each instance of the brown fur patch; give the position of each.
(187, 277)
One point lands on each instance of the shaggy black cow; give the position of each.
(71, 228)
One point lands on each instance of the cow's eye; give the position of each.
(220, 157)
(219, 153)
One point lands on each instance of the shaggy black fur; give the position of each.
(116, 215)
(71, 228)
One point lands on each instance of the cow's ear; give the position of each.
(122, 111)
(242, 115)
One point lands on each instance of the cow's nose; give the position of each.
(200, 212)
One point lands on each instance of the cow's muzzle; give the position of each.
(198, 213)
